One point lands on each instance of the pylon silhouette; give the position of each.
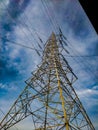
(49, 96)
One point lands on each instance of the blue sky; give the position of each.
(20, 21)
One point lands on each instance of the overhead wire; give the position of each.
(84, 56)
(26, 34)
(47, 8)
(33, 35)
(22, 31)
(49, 15)
(78, 55)
(54, 24)
(9, 15)
(69, 45)
(81, 59)
(16, 43)
(54, 18)
(25, 18)
(36, 33)
(35, 30)
(86, 64)
(66, 38)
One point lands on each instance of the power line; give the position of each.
(84, 56)
(54, 26)
(48, 14)
(54, 18)
(80, 57)
(15, 43)
(23, 32)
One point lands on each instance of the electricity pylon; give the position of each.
(49, 96)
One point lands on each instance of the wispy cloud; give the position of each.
(87, 92)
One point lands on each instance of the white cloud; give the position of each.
(95, 87)
(2, 85)
(87, 92)
(8, 87)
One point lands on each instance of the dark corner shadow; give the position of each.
(91, 9)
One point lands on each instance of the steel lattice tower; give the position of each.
(49, 96)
